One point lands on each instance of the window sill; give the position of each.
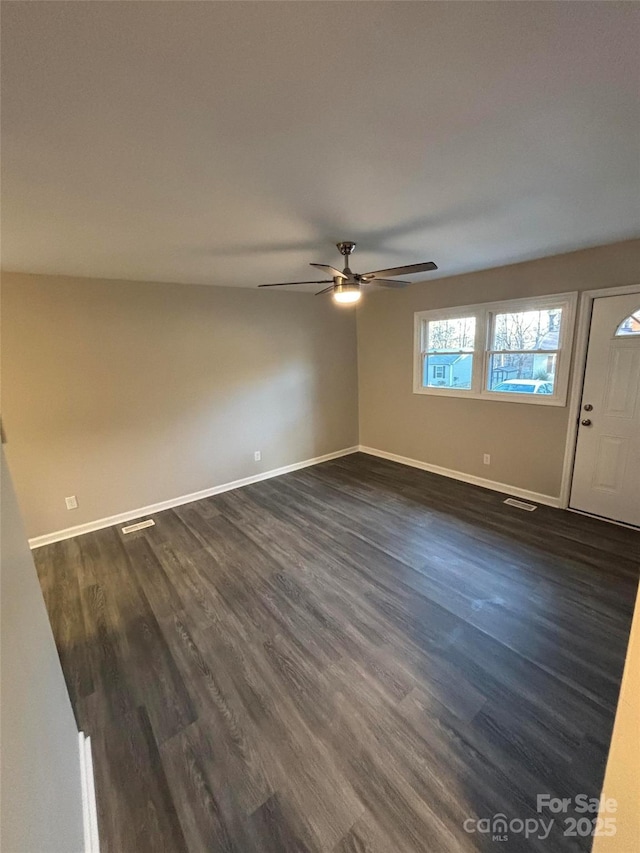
(530, 399)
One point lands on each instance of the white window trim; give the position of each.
(483, 312)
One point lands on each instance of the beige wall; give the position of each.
(526, 442)
(127, 394)
(41, 793)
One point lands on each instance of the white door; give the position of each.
(606, 477)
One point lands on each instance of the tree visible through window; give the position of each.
(523, 351)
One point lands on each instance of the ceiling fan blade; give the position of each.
(290, 283)
(408, 270)
(326, 290)
(387, 282)
(331, 270)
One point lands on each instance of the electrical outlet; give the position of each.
(487, 459)
(72, 502)
(257, 456)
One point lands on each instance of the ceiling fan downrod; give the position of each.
(346, 248)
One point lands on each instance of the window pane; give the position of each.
(527, 330)
(447, 371)
(630, 326)
(451, 335)
(522, 373)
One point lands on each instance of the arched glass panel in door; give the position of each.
(630, 325)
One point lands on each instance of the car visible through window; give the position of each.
(525, 386)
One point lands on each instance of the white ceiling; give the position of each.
(233, 143)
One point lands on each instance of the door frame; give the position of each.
(580, 347)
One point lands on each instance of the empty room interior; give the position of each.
(320, 427)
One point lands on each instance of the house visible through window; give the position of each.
(448, 361)
(516, 350)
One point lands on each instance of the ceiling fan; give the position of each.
(346, 286)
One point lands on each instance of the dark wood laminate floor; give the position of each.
(354, 657)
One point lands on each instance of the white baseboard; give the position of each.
(505, 488)
(89, 807)
(99, 524)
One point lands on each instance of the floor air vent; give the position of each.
(520, 504)
(131, 528)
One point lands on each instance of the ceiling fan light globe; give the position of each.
(346, 298)
(346, 294)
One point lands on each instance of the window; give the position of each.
(447, 363)
(630, 325)
(517, 350)
(523, 351)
